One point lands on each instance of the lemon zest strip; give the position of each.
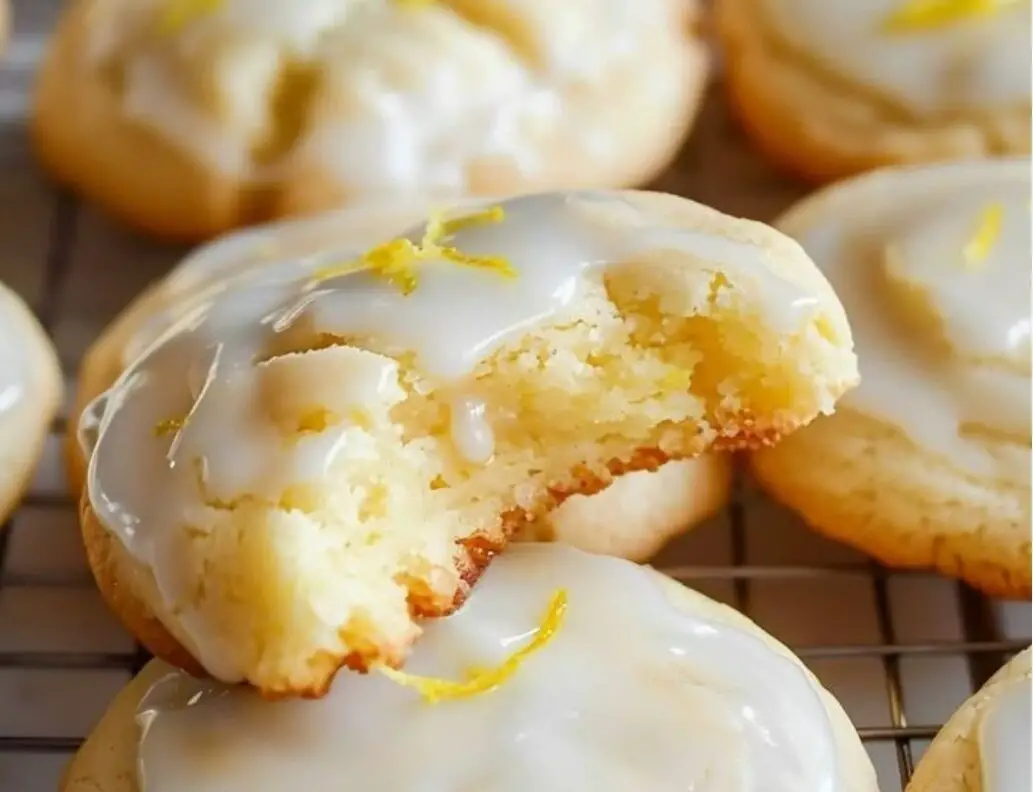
(396, 260)
(920, 15)
(176, 14)
(483, 680)
(169, 426)
(985, 236)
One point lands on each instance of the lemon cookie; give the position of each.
(314, 455)
(30, 394)
(830, 88)
(189, 117)
(633, 518)
(691, 695)
(985, 746)
(640, 512)
(927, 462)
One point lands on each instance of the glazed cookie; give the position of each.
(319, 452)
(221, 113)
(691, 695)
(30, 394)
(830, 88)
(633, 518)
(927, 463)
(985, 746)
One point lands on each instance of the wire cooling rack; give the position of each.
(900, 650)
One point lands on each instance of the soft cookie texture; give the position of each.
(316, 454)
(226, 113)
(830, 88)
(985, 746)
(927, 462)
(30, 394)
(552, 628)
(633, 518)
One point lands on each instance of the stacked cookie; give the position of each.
(299, 468)
(300, 454)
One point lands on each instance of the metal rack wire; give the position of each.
(981, 642)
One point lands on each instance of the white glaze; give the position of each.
(984, 301)
(145, 489)
(632, 693)
(971, 405)
(471, 429)
(1005, 739)
(215, 266)
(971, 66)
(409, 97)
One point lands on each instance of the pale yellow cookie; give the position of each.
(4, 14)
(927, 462)
(189, 117)
(985, 746)
(30, 394)
(621, 680)
(632, 518)
(642, 511)
(315, 454)
(830, 88)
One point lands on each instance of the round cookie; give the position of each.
(642, 511)
(632, 518)
(927, 462)
(226, 113)
(318, 454)
(831, 88)
(576, 711)
(30, 394)
(985, 746)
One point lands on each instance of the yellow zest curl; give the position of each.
(920, 15)
(483, 680)
(985, 237)
(169, 426)
(396, 260)
(176, 14)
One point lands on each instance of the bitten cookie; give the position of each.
(189, 117)
(593, 675)
(927, 462)
(30, 394)
(985, 746)
(830, 88)
(633, 518)
(316, 454)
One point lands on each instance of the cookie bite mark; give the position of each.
(363, 431)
